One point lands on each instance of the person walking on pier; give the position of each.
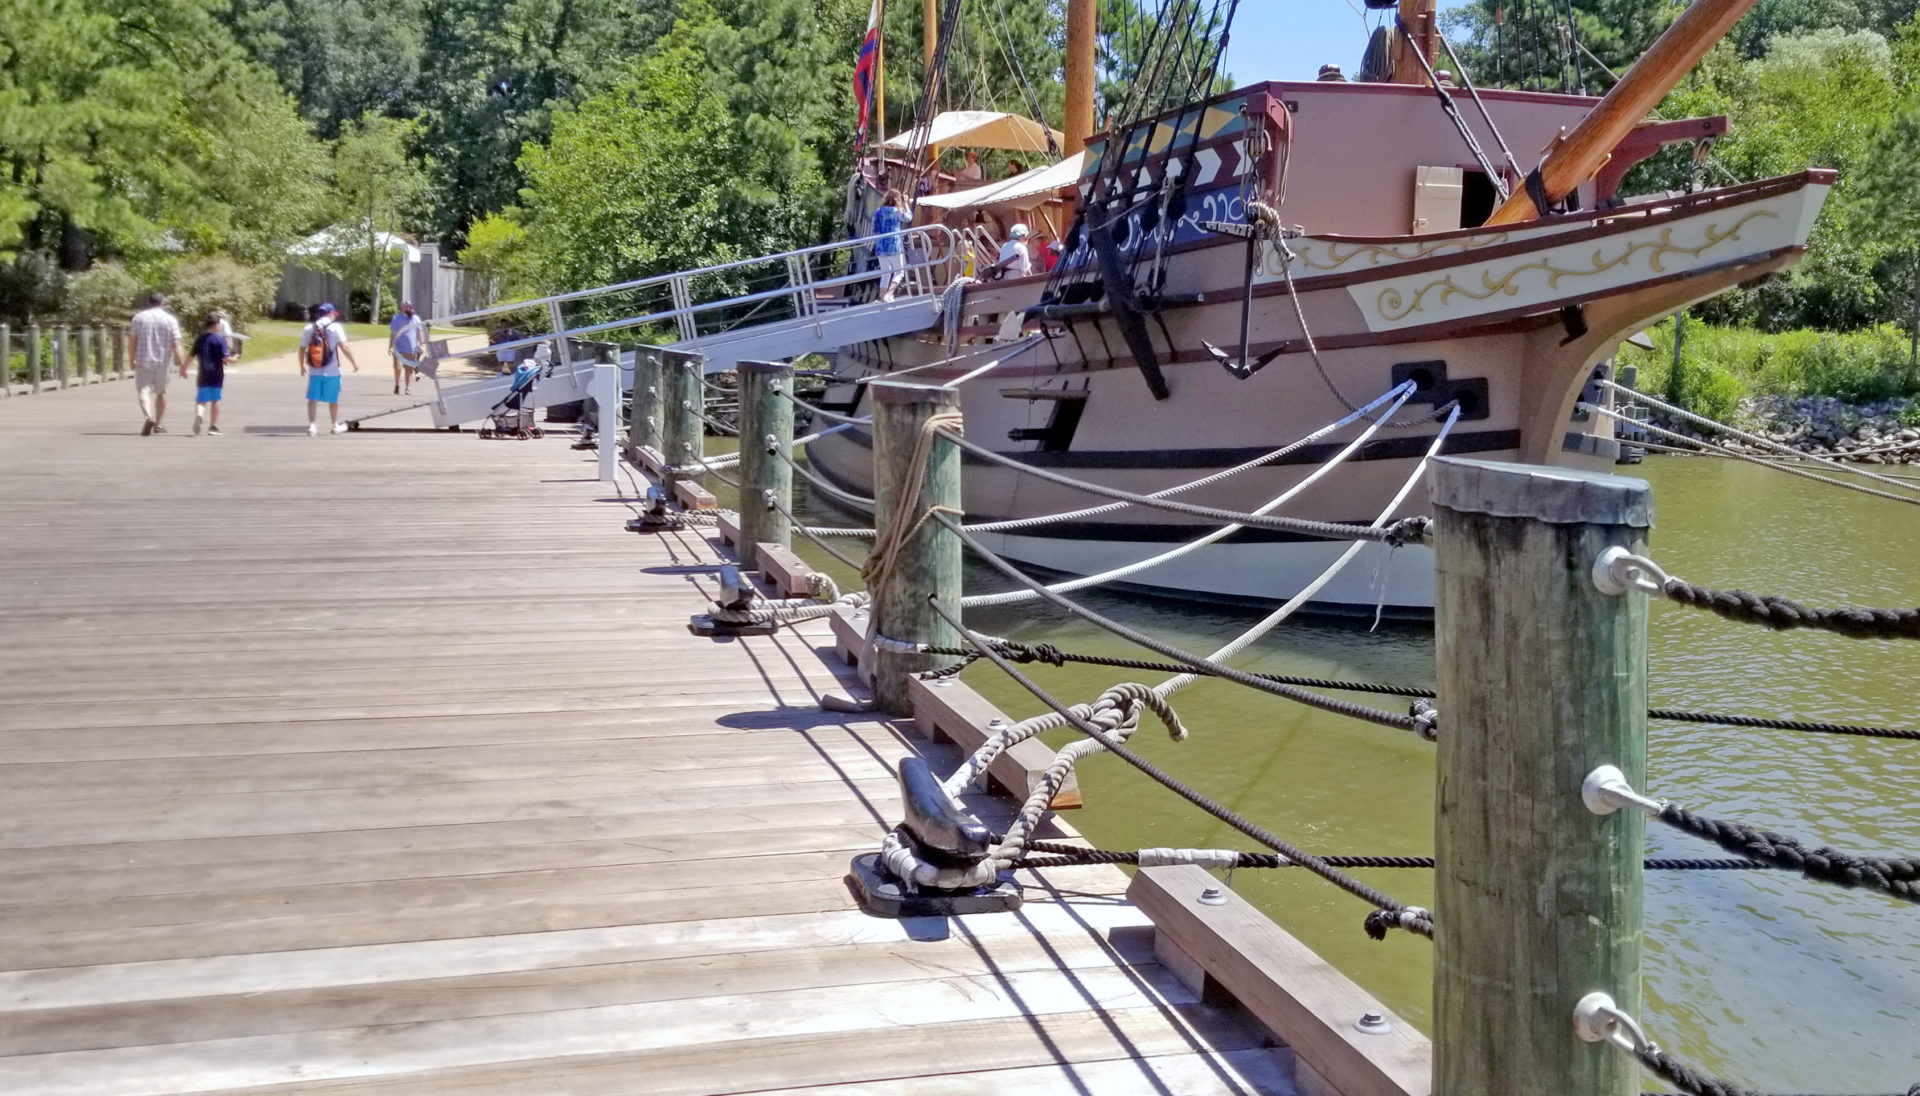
(321, 345)
(887, 223)
(153, 342)
(211, 350)
(404, 344)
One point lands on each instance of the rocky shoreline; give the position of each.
(1872, 433)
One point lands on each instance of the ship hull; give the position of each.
(1510, 326)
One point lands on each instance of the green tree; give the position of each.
(499, 69)
(339, 58)
(377, 189)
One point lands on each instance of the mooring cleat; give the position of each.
(708, 628)
(737, 594)
(940, 832)
(943, 832)
(737, 591)
(882, 895)
(656, 517)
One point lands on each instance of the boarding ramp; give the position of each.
(769, 307)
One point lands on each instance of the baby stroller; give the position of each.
(512, 417)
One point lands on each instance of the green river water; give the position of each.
(1774, 982)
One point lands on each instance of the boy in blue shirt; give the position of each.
(888, 220)
(211, 351)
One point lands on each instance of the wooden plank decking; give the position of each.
(384, 763)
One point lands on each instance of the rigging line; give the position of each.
(821, 412)
(1717, 450)
(1406, 531)
(1612, 75)
(1467, 81)
(1424, 728)
(1115, 574)
(1111, 507)
(1049, 654)
(816, 538)
(1112, 745)
(723, 428)
(1192, 661)
(847, 498)
(1003, 37)
(1313, 349)
(1573, 39)
(1453, 114)
(818, 434)
(1750, 438)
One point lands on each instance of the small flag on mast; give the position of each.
(864, 71)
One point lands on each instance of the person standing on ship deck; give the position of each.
(1014, 260)
(888, 221)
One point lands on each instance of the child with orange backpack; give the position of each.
(321, 344)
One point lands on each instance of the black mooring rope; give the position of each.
(1695, 1083)
(1895, 876)
(1388, 911)
(1062, 855)
(1047, 653)
(1782, 614)
(1193, 662)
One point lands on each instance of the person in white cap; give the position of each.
(1014, 260)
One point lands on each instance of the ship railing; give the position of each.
(691, 304)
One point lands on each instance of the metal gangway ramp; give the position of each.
(768, 307)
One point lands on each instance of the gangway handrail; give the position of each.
(939, 233)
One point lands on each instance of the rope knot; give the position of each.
(1408, 918)
(1130, 697)
(1409, 531)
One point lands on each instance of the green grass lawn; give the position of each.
(267, 338)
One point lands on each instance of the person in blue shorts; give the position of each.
(321, 345)
(211, 350)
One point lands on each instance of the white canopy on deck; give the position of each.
(977, 129)
(1027, 188)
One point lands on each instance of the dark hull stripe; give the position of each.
(1397, 448)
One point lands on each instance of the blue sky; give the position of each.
(1291, 39)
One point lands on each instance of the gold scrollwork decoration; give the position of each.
(1394, 306)
(1338, 254)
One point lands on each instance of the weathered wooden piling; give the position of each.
(927, 560)
(103, 342)
(82, 347)
(684, 437)
(33, 357)
(766, 435)
(121, 367)
(644, 428)
(60, 355)
(6, 359)
(1542, 678)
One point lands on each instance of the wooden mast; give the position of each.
(1082, 27)
(1422, 33)
(880, 80)
(1585, 148)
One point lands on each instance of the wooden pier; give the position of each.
(385, 763)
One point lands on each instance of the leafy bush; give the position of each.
(104, 293)
(197, 286)
(1721, 364)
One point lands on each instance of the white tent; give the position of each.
(977, 129)
(1027, 188)
(346, 239)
